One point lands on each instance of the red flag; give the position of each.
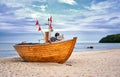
(37, 23)
(39, 28)
(51, 19)
(50, 26)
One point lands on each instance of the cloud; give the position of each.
(73, 18)
(12, 3)
(20, 3)
(106, 22)
(104, 5)
(84, 18)
(43, 7)
(70, 2)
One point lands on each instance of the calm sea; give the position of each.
(7, 50)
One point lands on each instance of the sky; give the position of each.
(89, 20)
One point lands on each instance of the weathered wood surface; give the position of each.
(55, 52)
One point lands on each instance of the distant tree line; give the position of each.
(115, 38)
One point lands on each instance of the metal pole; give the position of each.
(49, 29)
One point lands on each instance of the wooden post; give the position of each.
(46, 37)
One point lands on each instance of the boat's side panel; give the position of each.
(57, 52)
(70, 50)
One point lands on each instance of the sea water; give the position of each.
(81, 47)
(7, 50)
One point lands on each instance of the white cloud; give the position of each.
(24, 12)
(102, 5)
(11, 3)
(6, 26)
(18, 3)
(43, 7)
(63, 20)
(70, 2)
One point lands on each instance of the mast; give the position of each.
(49, 27)
(47, 33)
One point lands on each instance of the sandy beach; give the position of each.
(105, 63)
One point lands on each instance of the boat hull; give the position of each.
(55, 52)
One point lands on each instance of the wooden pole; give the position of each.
(46, 37)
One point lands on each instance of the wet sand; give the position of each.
(105, 63)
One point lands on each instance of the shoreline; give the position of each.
(88, 50)
(100, 63)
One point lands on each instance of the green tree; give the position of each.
(115, 38)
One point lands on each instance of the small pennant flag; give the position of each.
(50, 26)
(39, 28)
(37, 23)
(50, 19)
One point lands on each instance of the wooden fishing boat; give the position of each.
(48, 52)
(55, 52)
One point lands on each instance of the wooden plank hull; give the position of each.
(55, 52)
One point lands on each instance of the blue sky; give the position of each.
(89, 20)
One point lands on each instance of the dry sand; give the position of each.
(81, 64)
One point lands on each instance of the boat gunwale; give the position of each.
(43, 44)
